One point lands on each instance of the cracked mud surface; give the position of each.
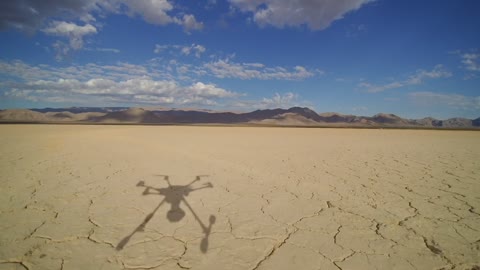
(281, 198)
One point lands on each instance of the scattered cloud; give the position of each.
(121, 83)
(437, 72)
(455, 101)
(355, 30)
(62, 50)
(360, 109)
(210, 4)
(124, 83)
(210, 91)
(160, 48)
(32, 15)
(156, 68)
(189, 23)
(20, 71)
(418, 77)
(142, 90)
(224, 68)
(246, 71)
(471, 61)
(285, 101)
(109, 50)
(73, 32)
(371, 88)
(317, 15)
(195, 49)
(29, 15)
(152, 11)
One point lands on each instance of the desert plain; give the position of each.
(196, 197)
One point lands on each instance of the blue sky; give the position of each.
(410, 58)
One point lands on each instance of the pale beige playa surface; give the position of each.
(77, 197)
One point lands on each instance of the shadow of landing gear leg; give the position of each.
(204, 243)
(206, 230)
(140, 228)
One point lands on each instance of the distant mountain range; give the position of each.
(295, 116)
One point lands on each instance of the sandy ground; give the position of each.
(97, 197)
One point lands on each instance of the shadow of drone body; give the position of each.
(173, 195)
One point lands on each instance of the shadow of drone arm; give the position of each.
(148, 188)
(204, 228)
(166, 178)
(197, 178)
(148, 192)
(139, 228)
(209, 185)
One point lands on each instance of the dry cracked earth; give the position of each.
(154, 197)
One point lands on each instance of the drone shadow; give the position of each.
(173, 195)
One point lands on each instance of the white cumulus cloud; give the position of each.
(73, 32)
(29, 15)
(316, 14)
(152, 11)
(189, 23)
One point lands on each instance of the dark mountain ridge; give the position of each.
(81, 109)
(292, 116)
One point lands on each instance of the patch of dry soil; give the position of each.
(157, 197)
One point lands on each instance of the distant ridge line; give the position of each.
(295, 116)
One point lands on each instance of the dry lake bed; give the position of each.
(179, 197)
